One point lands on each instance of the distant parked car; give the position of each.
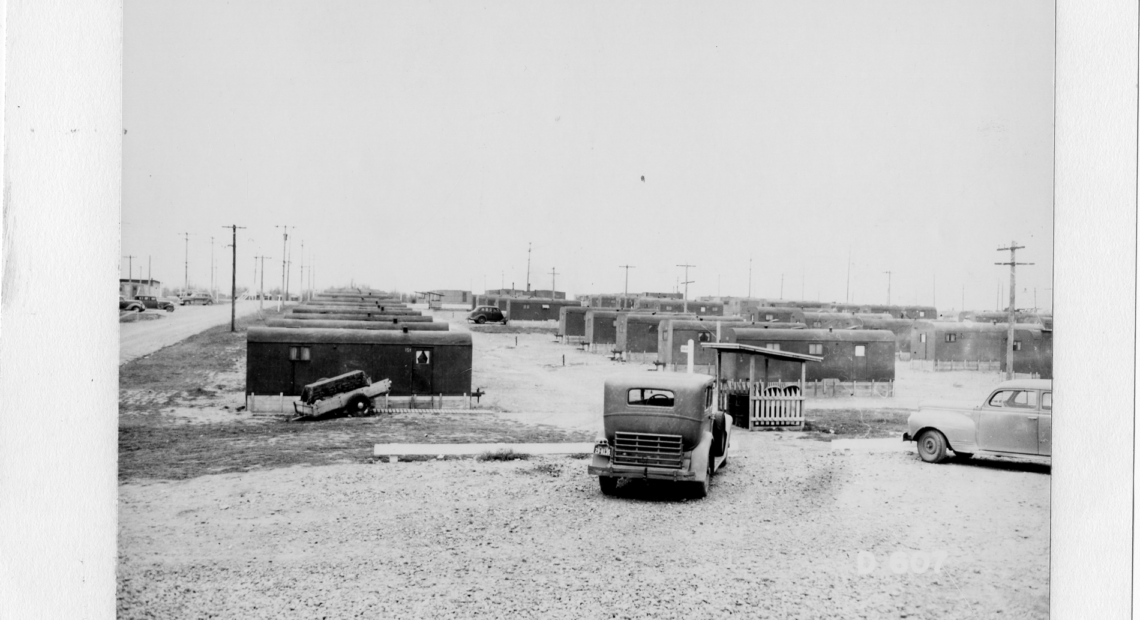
(487, 314)
(130, 305)
(1016, 418)
(197, 298)
(155, 303)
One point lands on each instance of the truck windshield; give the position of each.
(650, 397)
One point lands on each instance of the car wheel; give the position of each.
(357, 405)
(170, 308)
(932, 446)
(481, 320)
(140, 309)
(608, 484)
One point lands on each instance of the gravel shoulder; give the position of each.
(781, 536)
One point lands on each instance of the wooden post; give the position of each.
(752, 369)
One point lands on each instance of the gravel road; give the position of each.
(789, 531)
(139, 338)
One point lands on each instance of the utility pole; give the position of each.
(233, 280)
(1012, 249)
(687, 282)
(261, 292)
(552, 281)
(186, 265)
(213, 288)
(888, 287)
(302, 270)
(625, 297)
(750, 277)
(130, 276)
(848, 298)
(527, 267)
(284, 240)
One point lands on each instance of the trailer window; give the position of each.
(921, 313)
(1016, 345)
(922, 337)
(860, 350)
(1047, 401)
(299, 354)
(775, 346)
(815, 349)
(951, 337)
(650, 397)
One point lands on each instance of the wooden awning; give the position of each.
(775, 354)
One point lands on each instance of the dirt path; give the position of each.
(138, 338)
(786, 533)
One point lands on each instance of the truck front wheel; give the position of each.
(608, 484)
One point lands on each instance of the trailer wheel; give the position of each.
(608, 484)
(358, 405)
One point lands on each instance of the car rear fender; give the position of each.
(699, 461)
(958, 427)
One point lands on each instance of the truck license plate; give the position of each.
(601, 450)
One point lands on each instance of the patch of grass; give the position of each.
(513, 329)
(164, 450)
(504, 454)
(855, 423)
(188, 365)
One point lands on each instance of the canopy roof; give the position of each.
(776, 354)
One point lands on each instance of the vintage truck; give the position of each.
(350, 394)
(661, 426)
(1016, 418)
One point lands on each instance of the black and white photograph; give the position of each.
(570, 310)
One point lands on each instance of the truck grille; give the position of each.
(648, 450)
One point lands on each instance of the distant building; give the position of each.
(131, 288)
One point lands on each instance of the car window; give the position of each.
(999, 398)
(1047, 401)
(1023, 398)
(650, 397)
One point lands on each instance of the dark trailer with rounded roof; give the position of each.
(350, 324)
(847, 354)
(572, 320)
(282, 360)
(637, 332)
(946, 343)
(676, 333)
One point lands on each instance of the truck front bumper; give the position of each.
(641, 473)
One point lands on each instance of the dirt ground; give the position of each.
(223, 515)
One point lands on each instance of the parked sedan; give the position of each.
(155, 303)
(197, 298)
(487, 314)
(1016, 418)
(130, 305)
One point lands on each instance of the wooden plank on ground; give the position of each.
(475, 449)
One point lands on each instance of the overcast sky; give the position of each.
(422, 145)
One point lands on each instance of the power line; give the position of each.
(284, 241)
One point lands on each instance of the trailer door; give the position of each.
(422, 365)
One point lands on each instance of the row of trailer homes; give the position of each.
(342, 331)
(856, 342)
